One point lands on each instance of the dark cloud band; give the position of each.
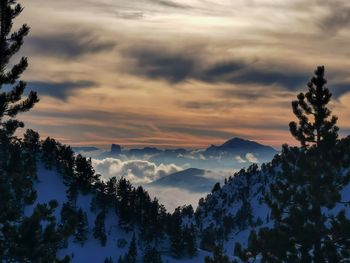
(61, 90)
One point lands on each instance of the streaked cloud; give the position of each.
(68, 45)
(337, 16)
(188, 64)
(183, 73)
(59, 90)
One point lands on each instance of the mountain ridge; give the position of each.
(191, 179)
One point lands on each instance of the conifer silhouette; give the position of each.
(11, 102)
(314, 104)
(306, 188)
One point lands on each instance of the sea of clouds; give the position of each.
(136, 171)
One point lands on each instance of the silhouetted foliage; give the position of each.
(84, 173)
(11, 102)
(152, 256)
(218, 257)
(131, 255)
(99, 229)
(314, 104)
(189, 241)
(80, 236)
(18, 158)
(216, 188)
(108, 260)
(176, 238)
(307, 186)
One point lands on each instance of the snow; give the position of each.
(50, 186)
(228, 200)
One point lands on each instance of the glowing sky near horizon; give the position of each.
(173, 73)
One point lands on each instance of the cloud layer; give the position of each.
(136, 171)
(180, 73)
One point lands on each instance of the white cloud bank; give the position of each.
(136, 171)
(142, 172)
(249, 157)
(239, 159)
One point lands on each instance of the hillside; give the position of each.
(229, 214)
(50, 186)
(225, 217)
(70, 215)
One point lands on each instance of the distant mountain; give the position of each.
(144, 151)
(85, 149)
(235, 153)
(116, 149)
(191, 179)
(238, 146)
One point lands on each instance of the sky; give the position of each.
(176, 73)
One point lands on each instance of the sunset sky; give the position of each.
(171, 73)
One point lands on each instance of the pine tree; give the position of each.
(321, 127)
(189, 239)
(308, 186)
(31, 141)
(108, 260)
(124, 190)
(99, 229)
(84, 173)
(65, 158)
(155, 215)
(176, 238)
(111, 191)
(152, 256)
(37, 238)
(49, 152)
(30, 149)
(218, 257)
(69, 219)
(23, 238)
(216, 188)
(208, 239)
(82, 227)
(131, 256)
(11, 102)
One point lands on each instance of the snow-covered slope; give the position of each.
(236, 208)
(230, 213)
(50, 186)
(226, 216)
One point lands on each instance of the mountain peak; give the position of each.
(239, 145)
(116, 149)
(237, 142)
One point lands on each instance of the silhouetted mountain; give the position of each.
(235, 153)
(116, 149)
(191, 179)
(238, 146)
(144, 151)
(176, 151)
(85, 149)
